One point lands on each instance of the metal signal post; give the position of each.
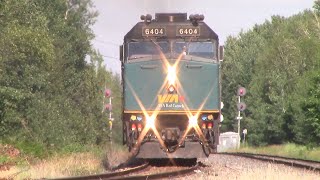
(241, 107)
(239, 116)
(108, 107)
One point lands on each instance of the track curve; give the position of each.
(124, 174)
(107, 175)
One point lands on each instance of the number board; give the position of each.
(153, 31)
(188, 31)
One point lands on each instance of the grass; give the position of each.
(57, 166)
(286, 150)
(115, 155)
(71, 161)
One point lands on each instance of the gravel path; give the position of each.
(232, 167)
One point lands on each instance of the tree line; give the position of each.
(51, 79)
(279, 64)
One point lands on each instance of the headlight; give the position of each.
(171, 75)
(171, 89)
(150, 122)
(193, 121)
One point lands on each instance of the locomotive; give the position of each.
(171, 87)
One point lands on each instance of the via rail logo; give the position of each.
(170, 101)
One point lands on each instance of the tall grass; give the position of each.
(72, 160)
(288, 150)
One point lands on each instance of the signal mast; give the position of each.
(241, 107)
(108, 108)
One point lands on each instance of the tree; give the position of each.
(49, 93)
(269, 61)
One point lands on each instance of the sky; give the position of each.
(225, 17)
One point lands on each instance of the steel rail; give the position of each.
(107, 175)
(159, 175)
(308, 164)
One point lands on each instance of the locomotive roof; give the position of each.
(170, 22)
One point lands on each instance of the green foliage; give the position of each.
(75, 148)
(275, 61)
(311, 108)
(49, 94)
(31, 148)
(4, 159)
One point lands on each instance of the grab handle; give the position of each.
(193, 66)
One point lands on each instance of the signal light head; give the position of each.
(241, 106)
(107, 93)
(108, 107)
(210, 117)
(241, 91)
(210, 125)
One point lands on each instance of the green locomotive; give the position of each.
(171, 87)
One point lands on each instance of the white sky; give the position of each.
(225, 17)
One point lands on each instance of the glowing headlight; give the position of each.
(171, 75)
(139, 117)
(150, 122)
(193, 121)
(171, 89)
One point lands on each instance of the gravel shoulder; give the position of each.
(231, 167)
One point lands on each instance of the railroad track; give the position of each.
(108, 175)
(308, 164)
(124, 174)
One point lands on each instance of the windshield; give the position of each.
(138, 50)
(143, 49)
(201, 49)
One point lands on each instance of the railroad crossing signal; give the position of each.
(242, 91)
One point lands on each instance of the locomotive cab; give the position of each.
(171, 87)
